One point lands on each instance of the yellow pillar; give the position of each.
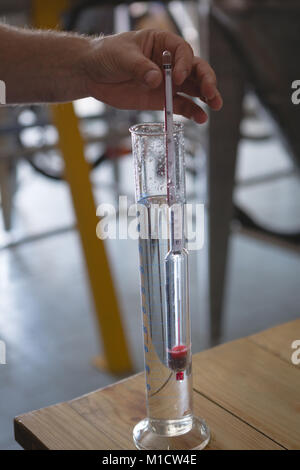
(116, 356)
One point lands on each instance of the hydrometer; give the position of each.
(176, 262)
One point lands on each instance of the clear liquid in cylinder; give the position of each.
(167, 357)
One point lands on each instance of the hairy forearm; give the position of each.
(42, 66)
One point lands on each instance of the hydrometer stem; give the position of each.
(176, 259)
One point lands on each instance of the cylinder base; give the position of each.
(196, 438)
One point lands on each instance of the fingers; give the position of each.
(183, 62)
(189, 109)
(191, 88)
(217, 102)
(206, 77)
(182, 53)
(188, 67)
(143, 69)
(185, 66)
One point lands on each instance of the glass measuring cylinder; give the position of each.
(170, 423)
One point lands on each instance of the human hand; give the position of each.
(124, 71)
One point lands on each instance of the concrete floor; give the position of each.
(46, 315)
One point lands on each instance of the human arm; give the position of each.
(121, 70)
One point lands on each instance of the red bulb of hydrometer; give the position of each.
(178, 358)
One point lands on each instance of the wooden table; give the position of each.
(248, 391)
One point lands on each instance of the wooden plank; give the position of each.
(105, 419)
(118, 408)
(254, 385)
(229, 432)
(59, 427)
(278, 340)
(115, 410)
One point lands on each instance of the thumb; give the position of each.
(143, 69)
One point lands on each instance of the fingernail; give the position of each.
(151, 77)
(211, 94)
(210, 97)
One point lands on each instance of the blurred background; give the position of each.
(65, 296)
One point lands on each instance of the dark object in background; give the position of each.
(264, 35)
(251, 43)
